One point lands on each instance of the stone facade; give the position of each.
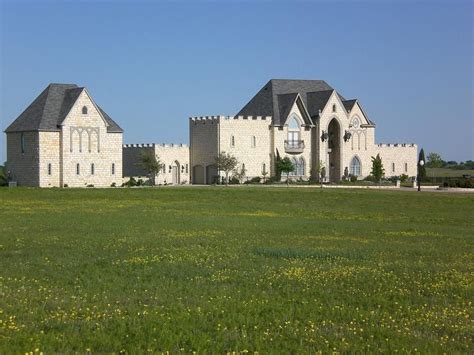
(339, 136)
(173, 157)
(80, 152)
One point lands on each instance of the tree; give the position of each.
(285, 166)
(226, 162)
(434, 161)
(377, 168)
(151, 164)
(239, 174)
(421, 168)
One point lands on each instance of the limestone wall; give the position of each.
(23, 166)
(85, 141)
(49, 159)
(398, 159)
(174, 158)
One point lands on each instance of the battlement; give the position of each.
(396, 145)
(212, 119)
(153, 145)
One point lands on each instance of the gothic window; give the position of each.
(300, 167)
(293, 132)
(355, 167)
(84, 110)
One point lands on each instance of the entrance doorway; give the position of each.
(334, 150)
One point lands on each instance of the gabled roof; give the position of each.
(349, 104)
(266, 101)
(50, 108)
(317, 101)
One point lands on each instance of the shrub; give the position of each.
(90, 185)
(404, 177)
(234, 181)
(369, 178)
(113, 184)
(130, 183)
(353, 178)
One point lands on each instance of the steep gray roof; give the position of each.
(349, 104)
(50, 109)
(317, 101)
(266, 101)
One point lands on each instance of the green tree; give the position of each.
(285, 166)
(151, 164)
(422, 168)
(226, 162)
(377, 168)
(434, 161)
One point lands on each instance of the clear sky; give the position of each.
(151, 65)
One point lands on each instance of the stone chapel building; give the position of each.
(305, 120)
(64, 138)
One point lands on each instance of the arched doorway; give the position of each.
(198, 174)
(175, 173)
(211, 174)
(334, 150)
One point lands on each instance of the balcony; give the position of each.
(294, 147)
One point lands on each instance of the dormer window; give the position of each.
(84, 110)
(334, 108)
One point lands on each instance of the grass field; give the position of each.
(235, 269)
(443, 172)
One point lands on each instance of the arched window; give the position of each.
(406, 167)
(355, 167)
(113, 168)
(84, 110)
(254, 142)
(300, 167)
(293, 132)
(264, 168)
(78, 169)
(294, 161)
(92, 169)
(334, 108)
(393, 167)
(49, 169)
(232, 141)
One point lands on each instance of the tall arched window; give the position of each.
(355, 167)
(113, 168)
(264, 168)
(92, 169)
(84, 110)
(300, 167)
(293, 132)
(49, 169)
(232, 141)
(78, 169)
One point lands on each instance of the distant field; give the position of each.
(443, 172)
(235, 269)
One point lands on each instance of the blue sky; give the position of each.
(151, 65)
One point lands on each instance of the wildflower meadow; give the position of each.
(243, 269)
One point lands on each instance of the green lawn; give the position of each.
(235, 269)
(444, 172)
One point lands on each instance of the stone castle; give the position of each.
(65, 139)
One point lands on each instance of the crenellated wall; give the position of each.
(173, 157)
